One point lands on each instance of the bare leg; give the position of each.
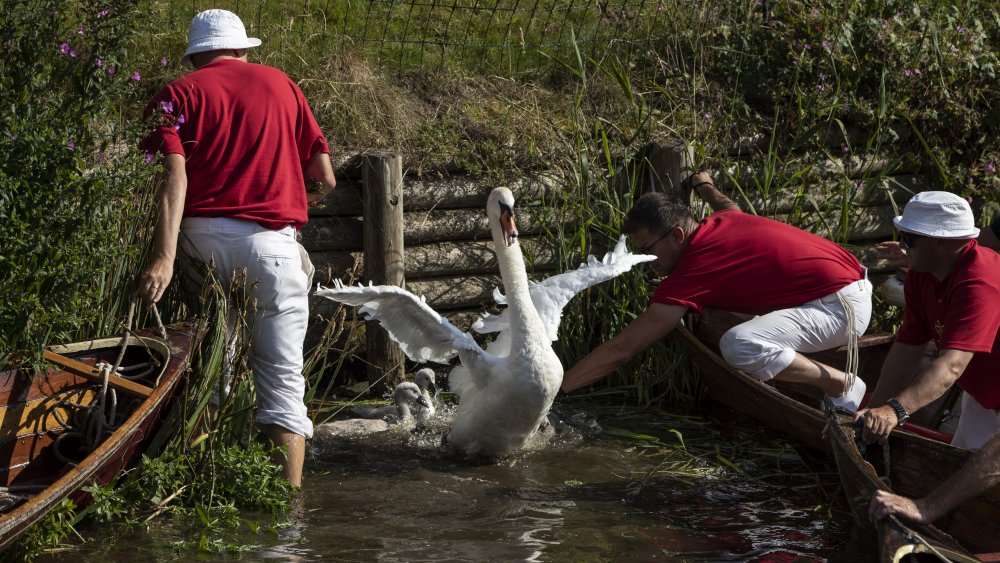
(830, 380)
(294, 455)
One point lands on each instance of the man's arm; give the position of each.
(703, 185)
(980, 472)
(653, 324)
(321, 169)
(169, 211)
(929, 384)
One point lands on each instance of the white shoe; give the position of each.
(851, 400)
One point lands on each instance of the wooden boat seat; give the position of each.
(89, 372)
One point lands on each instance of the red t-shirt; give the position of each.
(960, 312)
(748, 264)
(246, 132)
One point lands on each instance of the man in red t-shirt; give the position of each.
(808, 293)
(952, 293)
(238, 140)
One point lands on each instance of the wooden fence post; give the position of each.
(382, 182)
(671, 163)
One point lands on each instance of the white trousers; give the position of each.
(765, 345)
(277, 275)
(976, 424)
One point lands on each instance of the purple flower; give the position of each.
(112, 70)
(826, 44)
(181, 119)
(807, 46)
(991, 168)
(959, 29)
(98, 62)
(64, 48)
(707, 115)
(72, 53)
(906, 72)
(71, 145)
(916, 71)
(79, 30)
(167, 106)
(163, 61)
(136, 76)
(846, 149)
(104, 13)
(149, 158)
(822, 77)
(952, 48)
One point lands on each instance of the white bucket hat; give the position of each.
(937, 215)
(217, 29)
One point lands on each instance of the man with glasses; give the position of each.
(805, 292)
(952, 295)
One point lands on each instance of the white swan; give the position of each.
(506, 390)
(405, 397)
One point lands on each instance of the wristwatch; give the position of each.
(901, 414)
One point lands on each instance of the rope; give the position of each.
(913, 536)
(851, 368)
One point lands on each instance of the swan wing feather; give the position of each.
(421, 332)
(551, 295)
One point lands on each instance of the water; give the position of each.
(595, 492)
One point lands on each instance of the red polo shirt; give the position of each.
(246, 133)
(748, 264)
(961, 312)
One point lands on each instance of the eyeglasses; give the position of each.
(646, 248)
(908, 240)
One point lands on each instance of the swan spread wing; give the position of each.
(551, 295)
(421, 332)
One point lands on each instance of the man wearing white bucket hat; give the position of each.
(953, 298)
(238, 141)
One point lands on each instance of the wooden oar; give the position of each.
(91, 373)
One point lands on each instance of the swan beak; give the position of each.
(433, 389)
(508, 225)
(423, 402)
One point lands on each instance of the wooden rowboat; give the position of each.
(787, 408)
(916, 465)
(60, 431)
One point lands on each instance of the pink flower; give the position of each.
(79, 30)
(163, 61)
(136, 76)
(98, 62)
(72, 53)
(149, 158)
(64, 48)
(167, 106)
(112, 70)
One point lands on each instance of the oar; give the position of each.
(89, 372)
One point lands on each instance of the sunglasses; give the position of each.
(908, 240)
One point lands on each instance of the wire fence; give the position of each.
(495, 36)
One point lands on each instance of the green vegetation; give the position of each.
(767, 100)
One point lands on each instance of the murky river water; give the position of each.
(615, 487)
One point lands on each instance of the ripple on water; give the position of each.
(399, 496)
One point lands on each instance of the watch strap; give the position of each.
(901, 414)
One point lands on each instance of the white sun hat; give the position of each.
(937, 215)
(217, 29)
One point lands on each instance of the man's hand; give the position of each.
(154, 281)
(894, 253)
(879, 422)
(885, 503)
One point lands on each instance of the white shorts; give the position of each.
(764, 346)
(976, 425)
(278, 275)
